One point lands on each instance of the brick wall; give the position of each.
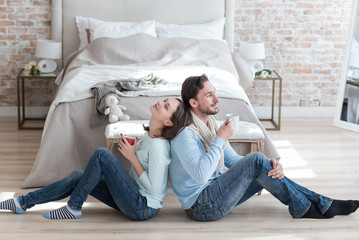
(305, 42)
(22, 22)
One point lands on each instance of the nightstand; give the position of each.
(21, 113)
(274, 78)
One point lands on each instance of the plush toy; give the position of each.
(114, 110)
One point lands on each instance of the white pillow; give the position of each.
(100, 28)
(82, 25)
(210, 30)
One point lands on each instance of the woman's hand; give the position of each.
(127, 150)
(277, 171)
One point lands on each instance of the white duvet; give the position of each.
(77, 83)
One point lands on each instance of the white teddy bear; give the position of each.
(114, 110)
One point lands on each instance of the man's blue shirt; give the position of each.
(192, 168)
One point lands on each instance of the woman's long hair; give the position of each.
(180, 118)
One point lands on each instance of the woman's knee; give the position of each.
(103, 155)
(77, 174)
(74, 177)
(102, 150)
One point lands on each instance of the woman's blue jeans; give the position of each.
(247, 177)
(105, 179)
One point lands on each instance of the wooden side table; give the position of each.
(274, 77)
(21, 113)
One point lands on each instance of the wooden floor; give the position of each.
(314, 153)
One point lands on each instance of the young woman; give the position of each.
(137, 194)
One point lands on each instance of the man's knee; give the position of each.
(259, 159)
(257, 155)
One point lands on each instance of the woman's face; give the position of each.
(163, 110)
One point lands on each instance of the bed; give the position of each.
(70, 136)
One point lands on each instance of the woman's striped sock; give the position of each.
(12, 204)
(64, 212)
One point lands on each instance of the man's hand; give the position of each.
(277, 171)
(226, 130)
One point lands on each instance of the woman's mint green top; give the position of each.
(154, 155)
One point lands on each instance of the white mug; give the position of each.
(235, 118)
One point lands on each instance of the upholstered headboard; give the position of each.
(166, 11)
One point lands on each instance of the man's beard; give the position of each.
(208, 111)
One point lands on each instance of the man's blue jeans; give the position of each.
(248, 176)
(105, 179)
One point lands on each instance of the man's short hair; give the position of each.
(191, 86)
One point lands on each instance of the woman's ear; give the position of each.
(193, 102)
(168, 123)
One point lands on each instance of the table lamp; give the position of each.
(48, 50)
(252, 52)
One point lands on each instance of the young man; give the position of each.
(210, 178)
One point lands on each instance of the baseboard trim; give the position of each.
(11, 112)
(295, 112)
(262, 112)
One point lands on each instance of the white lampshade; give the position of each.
(48, 49)
(252, 50)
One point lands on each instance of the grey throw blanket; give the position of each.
(119, 87)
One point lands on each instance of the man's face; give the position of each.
(207, 100)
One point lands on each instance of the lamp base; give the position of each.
(47, 65)
(255, 66)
